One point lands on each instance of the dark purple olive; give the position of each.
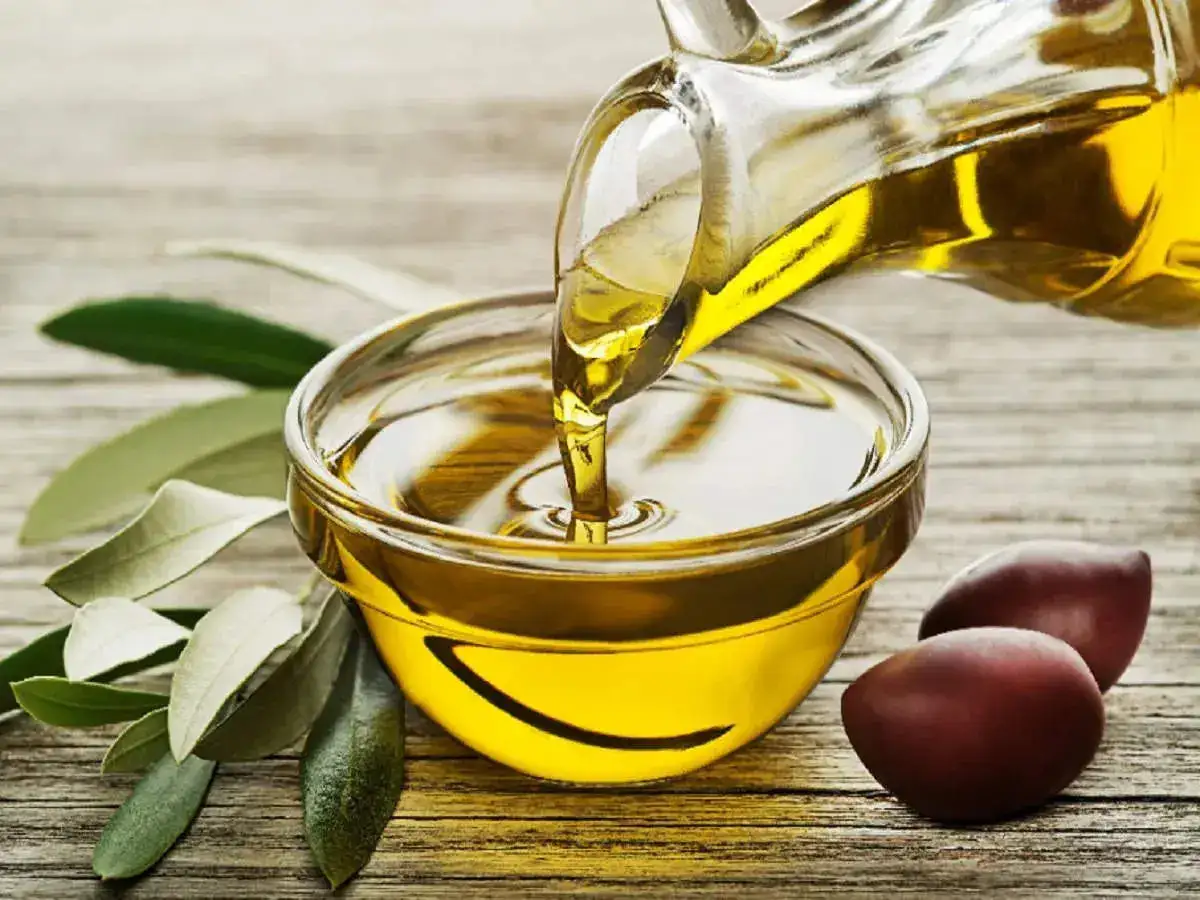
(976, 725)
(1095, 598)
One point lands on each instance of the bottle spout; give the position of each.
(717, 29)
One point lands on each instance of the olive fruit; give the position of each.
(976, 725)
(1096, 598)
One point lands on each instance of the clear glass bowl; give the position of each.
(602, 665)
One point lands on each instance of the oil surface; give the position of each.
(722, 445)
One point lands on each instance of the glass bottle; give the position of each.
(1042, 150)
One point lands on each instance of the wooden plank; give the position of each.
(1150, 729)
(817, 852)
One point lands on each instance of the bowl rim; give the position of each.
(901, 470)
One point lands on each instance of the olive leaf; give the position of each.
(391, 288)
(155, 816)
(141, 744)
(352, 769)
(82, 704)
(44, 656)
(253, 468)
(191, 336)
(114, 631)
(113, 479)
(227, 647)
(285, 705)
(183, 527)
(185, 617)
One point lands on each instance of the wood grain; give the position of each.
(433, 137)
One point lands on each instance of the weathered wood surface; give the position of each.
(432, 137)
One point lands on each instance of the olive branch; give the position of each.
(186, 485)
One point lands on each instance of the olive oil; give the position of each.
(1095, 208)
(722, 445)
(714, 608)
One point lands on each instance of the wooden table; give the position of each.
(432, 137)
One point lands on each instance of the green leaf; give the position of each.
(353, 765)
(155, 816)
(113, 479)
(391, 288)
(113, 632)
(253, 468)
(44, 656)
(182, 528)
(82, 704)
(41, 656)
(283, 708)
(191, 336)
(185, 617)
(141, 744)
(227, 647)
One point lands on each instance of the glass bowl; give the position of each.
(601, 665)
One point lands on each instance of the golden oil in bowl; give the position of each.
(757, 493)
